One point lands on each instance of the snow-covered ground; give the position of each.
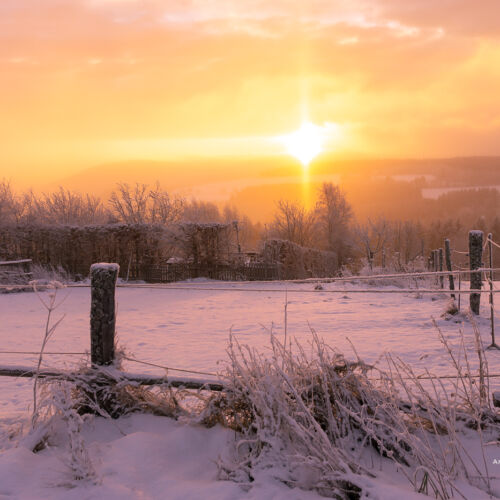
(154, 457)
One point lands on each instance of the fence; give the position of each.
(103, 316)
(15, 270)
(102, 340)
(171, 272)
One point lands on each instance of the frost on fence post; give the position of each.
(102, 313)
(447, 251)
(476, 261)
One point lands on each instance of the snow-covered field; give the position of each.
(154, 457)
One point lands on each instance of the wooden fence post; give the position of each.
(436, 264)
(103, 313)
(492, 305)
(440, 259)
(459, 289)
(447, 251)
(475, 261)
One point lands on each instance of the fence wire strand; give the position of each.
(301, 290)
(169, 368)
(49, 353)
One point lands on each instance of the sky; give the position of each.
(91, 81)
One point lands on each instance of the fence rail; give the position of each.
(192, 383)
(15, 262)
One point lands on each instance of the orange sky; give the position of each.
(90, 81)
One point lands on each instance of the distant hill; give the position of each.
(255, 184)
(173, 175)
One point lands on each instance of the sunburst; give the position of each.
(305, 143)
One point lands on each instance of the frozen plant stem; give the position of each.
(286, 316)
(51, 306)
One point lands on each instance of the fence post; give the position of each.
(447, 251)
(441, 277)
(475, 261)
(492, 306)
(459, 289)
(103, 313)
(436, 264)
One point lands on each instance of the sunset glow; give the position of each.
(89, 82)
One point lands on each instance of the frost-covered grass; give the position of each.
(321, 418)
(305, 417)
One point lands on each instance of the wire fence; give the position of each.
(156, 286)
(238, 288)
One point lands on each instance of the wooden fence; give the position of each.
(15, 271)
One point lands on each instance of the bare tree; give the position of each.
(60, 207)
(140, 204)
(67, 207)
(334, 215)
(247, 234)
(201, 211)
(129, 204)
(294, 223)
(407, 241)
(373, 237)
(8, 203)
(163, 208)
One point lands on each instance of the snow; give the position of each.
(153, 457)
(435, 193)
(140, 456)
(105, 266)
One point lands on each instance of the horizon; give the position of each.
(393, 188)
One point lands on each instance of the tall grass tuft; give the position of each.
(322, 417)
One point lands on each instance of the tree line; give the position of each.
(142, 225)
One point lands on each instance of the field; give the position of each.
(141, 456)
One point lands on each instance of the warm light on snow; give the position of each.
(189, 329)
(305, 143)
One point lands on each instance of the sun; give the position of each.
(305, 143)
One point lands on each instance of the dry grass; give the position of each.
(318, 411)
